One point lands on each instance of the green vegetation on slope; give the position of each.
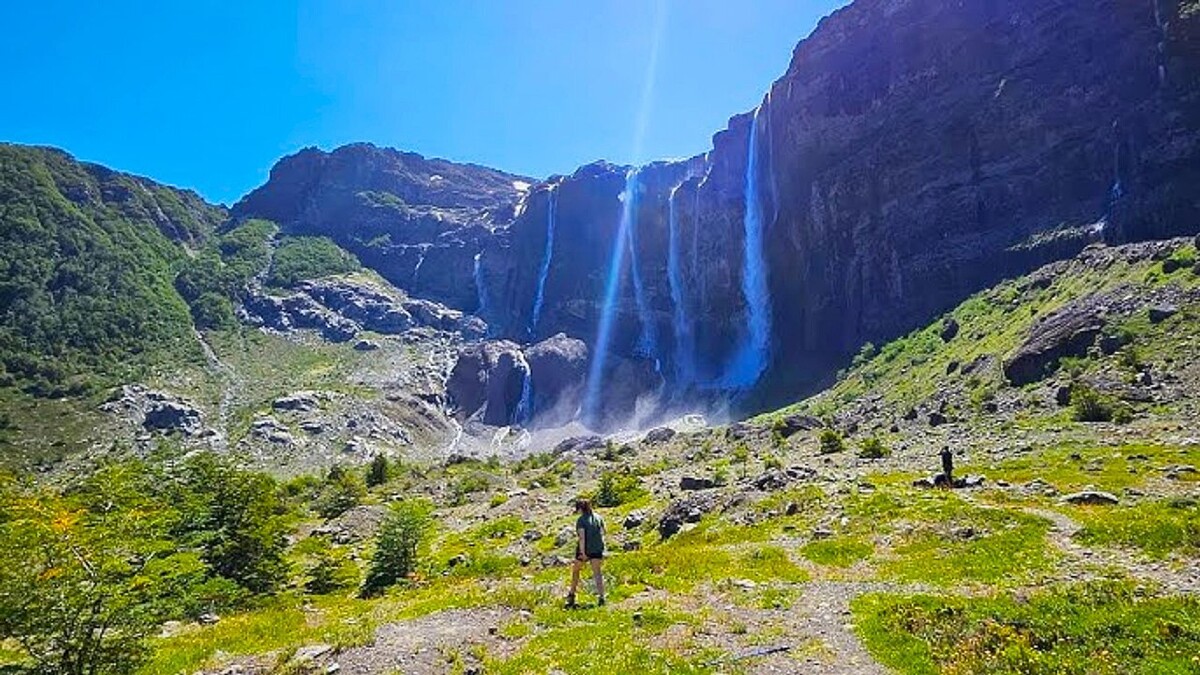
(299, 258)
(87, 257)
(1103, 627)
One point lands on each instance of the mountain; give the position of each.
(395, 210)
(912, 154)
(87, 262)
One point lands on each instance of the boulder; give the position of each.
(793, 424)
(659, 435)
(691, 483)
(559, 366)
(777, 479)
(949, 329)
(470, 385)
(687, 510)
(1069, 331)
(173, 416)
(1160, 313)
(301, 401)
(1091, 497)
(579, 444)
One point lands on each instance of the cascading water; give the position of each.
(591, 399)
(647, 344)
(421, 252)
(539, 297)
(524, 410)
(752, 357)
(481, 289)
(684, 351)
(1161, 57)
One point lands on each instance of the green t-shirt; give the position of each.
(593, 533)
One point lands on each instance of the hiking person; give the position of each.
(947, 465)
(589, 548)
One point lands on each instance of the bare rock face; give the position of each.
(340, 307)
(1069, 331)
(913, 153)
(417, 221)
(559, 366)
(484, 382)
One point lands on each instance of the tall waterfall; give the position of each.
(647, 344)
(752, 357)
(540, 297)
(684, 347)
(524, 411)
(592, 394)
(481, 290)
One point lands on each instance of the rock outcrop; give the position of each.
(340, 307)
(417, 221)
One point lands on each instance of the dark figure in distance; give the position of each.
(947, 466)
(589, 548)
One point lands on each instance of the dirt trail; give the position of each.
(1062, 535)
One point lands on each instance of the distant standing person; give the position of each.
(947, 465)
(589, 548)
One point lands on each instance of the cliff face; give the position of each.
(419, 222)
(915, 151)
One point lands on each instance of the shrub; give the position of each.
(772, 462)
(343, 491)
(1089, 405)
(330, 571)
(618, 488)
(831, 442)
(379, 471)
(873, 448)
(398, 545)
(498, 499)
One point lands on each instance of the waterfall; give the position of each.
(752, 357)
(591, 399)
(647, 344)
(481, 290)
(684, 350)
(421, 251)
(524, 411)
(540, 296)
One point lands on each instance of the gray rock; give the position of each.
(691, 483)
(579, 444)
(659, 435)
(634, 520)
(1160, 313)
(793, 424)
(173, 416)
(301, 401)
(1091, 497)
(687, 510)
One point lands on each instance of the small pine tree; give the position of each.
(343, 490)
(379, 471)
(831, 442)
(397, 546)
(873, 448)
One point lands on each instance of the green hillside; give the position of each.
(798, 547)
(88, 257)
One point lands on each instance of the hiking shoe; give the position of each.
(600, 602)
(570, 604)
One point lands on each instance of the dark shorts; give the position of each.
(594, 556)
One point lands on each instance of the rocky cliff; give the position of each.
(419, 222)
(915, 151)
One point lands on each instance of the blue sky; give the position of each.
(207, 94)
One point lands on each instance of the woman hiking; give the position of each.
(589, 532)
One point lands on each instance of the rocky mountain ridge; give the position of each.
(913, 153)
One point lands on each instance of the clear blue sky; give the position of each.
(208, 94)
